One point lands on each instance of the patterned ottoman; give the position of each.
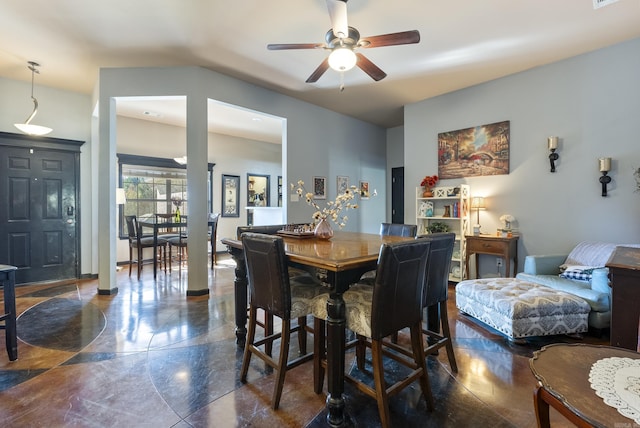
(522, 309)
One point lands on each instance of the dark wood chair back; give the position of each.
(398, 229)
(267, 273)
(132, 227)
(397, 293)
(437, 282)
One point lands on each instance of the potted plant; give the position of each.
(437, 227)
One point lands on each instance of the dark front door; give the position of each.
(397, 195)
(38, 216)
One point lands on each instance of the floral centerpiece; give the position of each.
(332, 211)
(428, 182)
(177, 202)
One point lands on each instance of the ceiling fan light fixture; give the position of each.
(27, 127)
(342, 59)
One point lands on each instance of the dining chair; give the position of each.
(272, 290)
(166, 218)
(139, 242)
(435, 326)
(375, 312)
(213, 236)
(398, 229)
(180, 241)
(391, 229)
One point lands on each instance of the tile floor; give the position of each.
(151, 357)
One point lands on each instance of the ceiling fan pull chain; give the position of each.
(341, 81)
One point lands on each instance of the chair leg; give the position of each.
(268, 331)
(130, 259)
(139, 262)
(319, 351)
(361, 349)
(419, 358)
(380, 385)
(282, 363)
(302, 335)
(251, 334)
(444, 321)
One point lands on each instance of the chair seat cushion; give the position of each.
(358, 308)
(149, 241)
(303, 291)
(178, 241)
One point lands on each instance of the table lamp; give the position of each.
(477, 202)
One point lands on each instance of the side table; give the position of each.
(562, 371)
(505, 247)
(624, 271)
(8, 283)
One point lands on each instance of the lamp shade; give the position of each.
(342, 59)
(121, 198)
(477, 202)
(27, 127)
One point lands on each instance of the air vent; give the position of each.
(597, 4)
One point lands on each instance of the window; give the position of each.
(154, 186)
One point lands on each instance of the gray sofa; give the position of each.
(587, 261)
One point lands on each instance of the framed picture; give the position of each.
(342, 184)
(364, 190)
(473, 152)
(258, 190)
(319, 187)
(230, 197)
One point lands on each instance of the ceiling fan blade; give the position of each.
(392, 39)
(338, 15)
(282, 46)
(324, 66)
(370, 68)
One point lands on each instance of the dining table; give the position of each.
(157, 224)
(337, 263)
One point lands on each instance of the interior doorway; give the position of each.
(397, 195)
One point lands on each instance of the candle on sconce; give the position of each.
(605, 164)
(553, 143)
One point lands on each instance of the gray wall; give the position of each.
(592, 102)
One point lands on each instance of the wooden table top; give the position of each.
(346, 250)
(563, 370)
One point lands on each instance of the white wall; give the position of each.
(592, 102)
(69, 114)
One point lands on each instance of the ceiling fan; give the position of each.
(342, 40)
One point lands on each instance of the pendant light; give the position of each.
(27, 127)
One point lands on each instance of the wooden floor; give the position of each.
(150, 356)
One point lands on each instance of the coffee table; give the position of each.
(562, 371)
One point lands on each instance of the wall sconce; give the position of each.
(477, 202)
(605, 167)
(552, 142)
